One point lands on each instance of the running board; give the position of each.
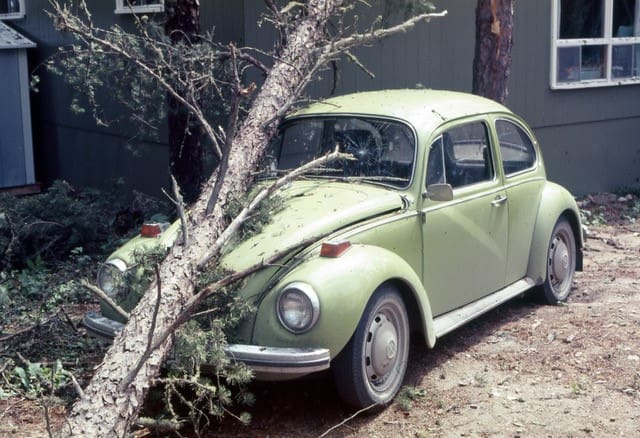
(450, 321)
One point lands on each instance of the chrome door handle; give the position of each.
(500, 200)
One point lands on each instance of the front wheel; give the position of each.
(371, 368)
(561, 264)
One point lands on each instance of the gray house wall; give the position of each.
(70, 146)
(590, 137)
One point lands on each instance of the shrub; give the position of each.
(49, 225)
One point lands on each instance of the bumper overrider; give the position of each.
(268, 363)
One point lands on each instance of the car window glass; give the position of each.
(435, 165)
(467, 155)
(516, 147)
(382, 151)
(299, 143)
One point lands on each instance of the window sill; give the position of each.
(12, 16)
(595, 83)
(146, 9)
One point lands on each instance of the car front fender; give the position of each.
(556, 201)
(344, 286)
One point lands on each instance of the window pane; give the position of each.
(621, 61)
(636, 60)
(624, 23)
(581, 19)
(9, 6)
(593, 62)
(467, 158)
(516, 147)
(568, 64)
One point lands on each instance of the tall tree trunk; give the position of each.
(107, 409)
(186, 155)
(494, 41)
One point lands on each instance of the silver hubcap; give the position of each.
(381, 349)
(559, 260)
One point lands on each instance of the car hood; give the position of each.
(312, 209)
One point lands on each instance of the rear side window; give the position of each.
(516, 147)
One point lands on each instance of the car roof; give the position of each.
(419, 107)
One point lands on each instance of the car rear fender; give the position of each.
(555, 202)
(344, 286)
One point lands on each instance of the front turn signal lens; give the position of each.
(334, 249)
(150, 230)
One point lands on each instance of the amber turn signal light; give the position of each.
(150, 230)
(334, 249)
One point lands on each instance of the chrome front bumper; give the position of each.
(280, 363)
(268, 363)
(101, 325)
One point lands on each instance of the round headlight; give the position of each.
(111, 276)
(298, 307)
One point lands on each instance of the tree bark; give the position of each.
(107, 409)
(186, 154)
(494, 41)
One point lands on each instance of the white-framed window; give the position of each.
(11, 9)
(139, 6)
(595, 43)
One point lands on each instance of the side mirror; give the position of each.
(439, 192)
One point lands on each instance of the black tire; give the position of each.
(370, 369)
(561, 264)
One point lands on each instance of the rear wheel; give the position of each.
(561, 264)
(371, 368)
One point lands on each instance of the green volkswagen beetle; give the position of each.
(443, 213)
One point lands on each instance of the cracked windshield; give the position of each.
(383, 151)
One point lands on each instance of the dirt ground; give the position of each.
(521, 370)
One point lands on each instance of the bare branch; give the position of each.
(74, 382)
(359, 39)
(106, 298)
(181, 212)
(346, 420)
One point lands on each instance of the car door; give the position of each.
(524, 182)
(465, 239)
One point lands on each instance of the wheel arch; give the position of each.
(556, 203)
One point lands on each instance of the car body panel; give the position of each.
(465, 247)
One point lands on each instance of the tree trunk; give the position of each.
(494, 40)
(107, 410)
(186, 155)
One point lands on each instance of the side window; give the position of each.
(466, 155)
(139, 6)
(516, 147)
(11, 9)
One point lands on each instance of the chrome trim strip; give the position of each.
(449, 321)
(120, 264)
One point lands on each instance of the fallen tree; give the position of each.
(113, 398)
